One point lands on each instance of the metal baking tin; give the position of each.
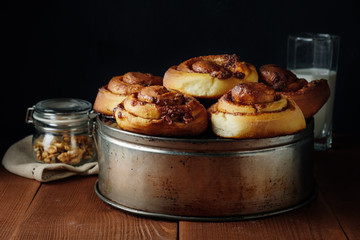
(203, 179)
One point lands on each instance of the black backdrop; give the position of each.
(69, 48)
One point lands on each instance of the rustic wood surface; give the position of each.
(70, 209)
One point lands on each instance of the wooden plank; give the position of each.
(314, 221)
(16, 194)
(338, 176)
(70, 209)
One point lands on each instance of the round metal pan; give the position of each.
(205, 178)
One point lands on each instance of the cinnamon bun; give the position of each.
(254, 110)
(119, 87)
(209, 76)
(309, 96)
(156, 110)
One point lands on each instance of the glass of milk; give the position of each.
(315, 56)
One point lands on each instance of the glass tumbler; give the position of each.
(315, 56)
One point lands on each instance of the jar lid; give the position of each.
(63, 106)
(62, 111)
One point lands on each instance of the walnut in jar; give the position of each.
(63, 149)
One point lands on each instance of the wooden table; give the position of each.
(70, 209)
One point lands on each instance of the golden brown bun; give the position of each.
(159, 111)
(254, 110)
(209, 76)
(309, 96)
(110, 95)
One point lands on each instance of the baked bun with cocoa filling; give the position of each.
(156, 110)
(309, 96)
(209, 77)
(254, 110)
(119, 87)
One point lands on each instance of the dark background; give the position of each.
(70, 48)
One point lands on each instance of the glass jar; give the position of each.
(63, 131)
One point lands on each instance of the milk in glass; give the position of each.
(323, 118)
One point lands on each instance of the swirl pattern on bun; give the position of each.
(254, 110)
(309, 96)
(156, 110)
(209, 76)
(110, 95)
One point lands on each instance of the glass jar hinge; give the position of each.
(91, 123)
(29, 115)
